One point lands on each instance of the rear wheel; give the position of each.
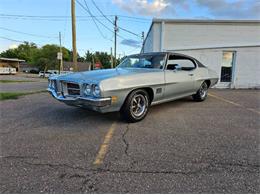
(136, 106)
(202, 93)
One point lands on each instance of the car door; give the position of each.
(179, 77)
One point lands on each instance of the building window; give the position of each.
(228, 59)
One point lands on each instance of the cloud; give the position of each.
(131, 43)
(218, 9)
(236, 9)
(142, 7)
(13, 46)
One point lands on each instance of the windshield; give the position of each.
(143, 61)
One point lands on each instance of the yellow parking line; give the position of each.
(104, 146)
(233, 103)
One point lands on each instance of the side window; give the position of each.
(180, 63)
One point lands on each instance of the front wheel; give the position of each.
(136, 106)
(202, 93)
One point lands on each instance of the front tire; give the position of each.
(136, 106)
(202, 93)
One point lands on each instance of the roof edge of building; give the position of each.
(213, 21)
(12, 59)
(214, 47)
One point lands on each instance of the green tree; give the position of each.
(103, 57)
(24, 51)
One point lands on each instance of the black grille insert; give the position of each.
(73, 89)
(72, 86)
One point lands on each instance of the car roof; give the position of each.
(164, 52)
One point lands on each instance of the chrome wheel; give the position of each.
(139, 105)
(203, 91)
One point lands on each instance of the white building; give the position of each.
(230, 47)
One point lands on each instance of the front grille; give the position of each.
(73, 85)
(73, 89)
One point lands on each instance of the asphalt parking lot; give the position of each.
(180, 147)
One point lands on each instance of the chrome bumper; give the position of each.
(91, 103)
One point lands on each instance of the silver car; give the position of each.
(138, 82)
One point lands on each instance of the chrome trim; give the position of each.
(81, 101)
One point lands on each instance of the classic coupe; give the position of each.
(138, 82)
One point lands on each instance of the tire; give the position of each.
(136, 106)
(202, 93)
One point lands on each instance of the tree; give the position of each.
(24, 51)
(102, 57)
(44, 57)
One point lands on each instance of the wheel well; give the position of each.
(208, 83)
(150, 93)
(147, 89)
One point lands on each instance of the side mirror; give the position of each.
(177, 67)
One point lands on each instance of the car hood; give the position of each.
(99, 75)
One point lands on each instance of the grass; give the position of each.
(16, 95)
(15, 81)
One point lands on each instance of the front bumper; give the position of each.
(96, 104)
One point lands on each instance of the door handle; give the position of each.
(191, 74)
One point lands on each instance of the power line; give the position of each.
(34, 35)
(128, 31)
(102, 12)
(45, 19)
(60, 16)
(93, 18)
(18, 41)
(132, 17)
(46, 16)
(9, 39)
(88, 11)
(79, 19)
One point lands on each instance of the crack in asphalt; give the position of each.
(127, 145)
(102, 170)
(124, 139)
(89, 182)
(86, 180)
(19, 157)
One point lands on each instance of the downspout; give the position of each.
(233, 80)
(162, 36)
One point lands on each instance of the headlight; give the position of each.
(87, 90)
(96, 91)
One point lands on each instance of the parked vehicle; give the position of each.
(7, 70)
(45, 74)
(138, 82)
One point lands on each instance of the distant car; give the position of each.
(138, 82)
(65, 72)
(45, 74)
(34, 71)
(7, 70)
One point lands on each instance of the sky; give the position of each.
(40, 21)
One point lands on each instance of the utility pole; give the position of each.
(74, 47)
(93, 63)
(61, 57)
(116, 29)
(142, 50)
(111, 54)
